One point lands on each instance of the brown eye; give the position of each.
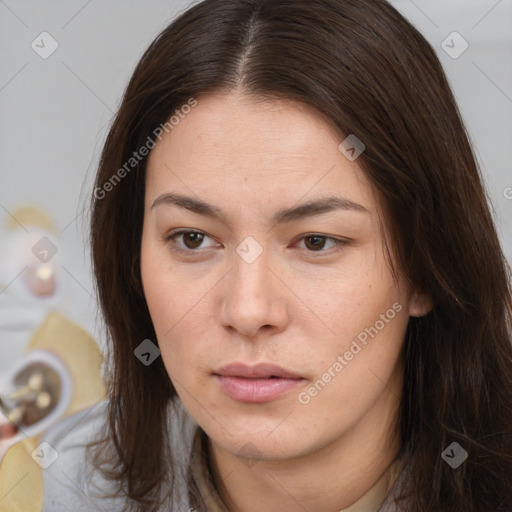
(315, 242)
(192, 240)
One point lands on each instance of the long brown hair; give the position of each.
(372, 74)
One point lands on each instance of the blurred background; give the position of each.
(63, 68)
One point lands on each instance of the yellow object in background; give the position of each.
(21, 482)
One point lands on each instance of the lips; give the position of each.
(259, 371)
(256, 384)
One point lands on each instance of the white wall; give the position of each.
(54, 111)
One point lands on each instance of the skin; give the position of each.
(299, 305)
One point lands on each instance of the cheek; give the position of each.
(365, 340)
(366, 312)
(178, 306)
(357, 371)
(353, 297)
(170, 293)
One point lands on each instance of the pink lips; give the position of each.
(256, 384)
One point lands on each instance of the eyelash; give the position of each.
(339, 243)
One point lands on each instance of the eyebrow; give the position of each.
(309, 209)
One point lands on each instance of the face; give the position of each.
(262, 246)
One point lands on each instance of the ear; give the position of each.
(420, 304)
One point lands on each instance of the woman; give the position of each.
(294, 254)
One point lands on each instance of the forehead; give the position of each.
(242, 150)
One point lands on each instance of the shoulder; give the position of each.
(71, 483)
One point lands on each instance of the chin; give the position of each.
(260, 439)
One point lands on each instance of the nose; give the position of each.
(254, 299)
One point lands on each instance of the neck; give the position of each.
(351, 474)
